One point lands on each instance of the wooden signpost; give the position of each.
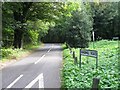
(75, 58)
(90, 53)
(95, 84)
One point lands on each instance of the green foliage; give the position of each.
(73, 21)
(7, 37)
(9, 53)
(74, 77)
(58, 30)
(35, 31)
(105, 17)
(73, 26)
(79, 27)
(17, 15)
(31, 37)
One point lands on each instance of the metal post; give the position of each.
(80, 59)
(96, 62)
(93, 38)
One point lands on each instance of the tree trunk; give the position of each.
(20, 37)
(15, 39)
(18, 33)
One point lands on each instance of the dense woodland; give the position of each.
(33, 22)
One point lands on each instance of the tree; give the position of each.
(18, 12)
(24, 11)
(35, 31)
(105, 19)
(79, 30)
(73, 27)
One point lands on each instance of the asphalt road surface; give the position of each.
(38, 70)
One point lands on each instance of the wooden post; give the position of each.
(69, 48)
(70, 51)
(74, 57)
(75, 60)
(80, 59)
(95, 84)
(73, 54)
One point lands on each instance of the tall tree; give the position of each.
(105, 19)
(73, 27)
(79, 27)
(23, 11)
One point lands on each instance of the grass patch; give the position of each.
(10, 54)
(74, 77)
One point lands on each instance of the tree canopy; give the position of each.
(70, 22)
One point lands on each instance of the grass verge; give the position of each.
(10, 54)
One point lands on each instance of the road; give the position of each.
(38, 70)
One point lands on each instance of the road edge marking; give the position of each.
(15, 81)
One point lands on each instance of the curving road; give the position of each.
(38, 70)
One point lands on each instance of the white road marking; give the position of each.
(40, 79)
(40, 59)
(15, 81)
(49, 50)
(43, 55)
